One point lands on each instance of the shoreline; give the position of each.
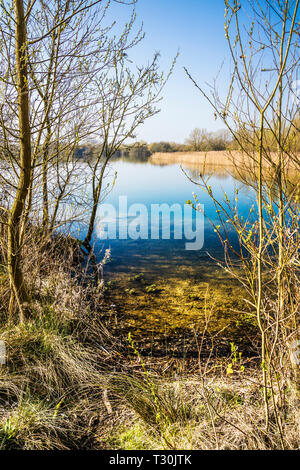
(231, 158)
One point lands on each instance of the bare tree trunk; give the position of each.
(45, 223)
(259, 310)
(97, 187)
(18, 288)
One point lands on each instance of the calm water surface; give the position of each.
(145, 183)
(177, 287)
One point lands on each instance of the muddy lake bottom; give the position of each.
(176, 309)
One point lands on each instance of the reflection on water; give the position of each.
(163, 288)
(148, 184)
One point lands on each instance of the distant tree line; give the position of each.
(199, 140)
(137, 152)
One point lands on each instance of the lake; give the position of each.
(159, 284)
(147, 184)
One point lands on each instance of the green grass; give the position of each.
(68, 383)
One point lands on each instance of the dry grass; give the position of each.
(67, 383)
(238, 164)
(211, 158)
(216, 158)
(199, 413)
(51, 387)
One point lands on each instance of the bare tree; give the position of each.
(25, 167)
(51, 54)
(260, 111)
(196, 139)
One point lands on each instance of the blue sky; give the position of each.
(196, 27)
